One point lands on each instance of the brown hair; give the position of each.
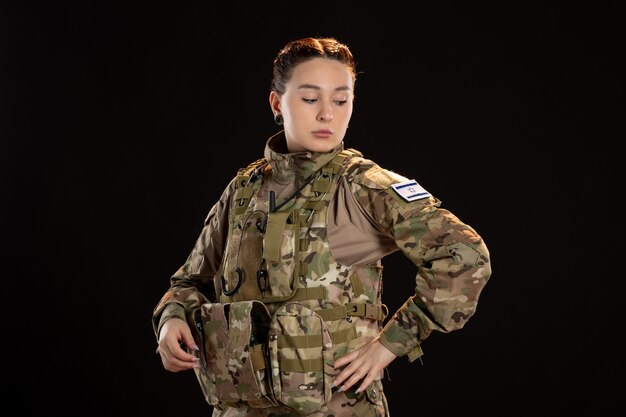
(305, 49)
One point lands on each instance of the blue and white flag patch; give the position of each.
(410, 190)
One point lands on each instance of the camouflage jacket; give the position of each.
(370, 213)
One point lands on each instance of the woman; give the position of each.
(278, 308)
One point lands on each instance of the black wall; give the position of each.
(121, 123)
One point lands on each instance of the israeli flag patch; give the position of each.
(410, 190)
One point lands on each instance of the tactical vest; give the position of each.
(286, 307)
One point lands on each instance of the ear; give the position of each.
(275, 102)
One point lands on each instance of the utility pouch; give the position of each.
(301, 358)
(244, 258)
(281, 255)
(261, 261)
(233, 341)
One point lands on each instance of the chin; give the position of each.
(324, 146)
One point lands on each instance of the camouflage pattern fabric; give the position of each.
(453, 260)
(452, 264)
(229, 372)
(371, 403)
(301, 356)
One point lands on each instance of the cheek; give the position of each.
(346, 114)
(293, 111)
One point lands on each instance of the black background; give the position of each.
(121, 123)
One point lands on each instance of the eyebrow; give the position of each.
(315, 87)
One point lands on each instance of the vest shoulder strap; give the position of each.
(246, 184)
(339, 160)
(248, 170)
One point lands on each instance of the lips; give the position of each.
(322, 133)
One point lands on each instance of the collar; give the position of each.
(296, 166)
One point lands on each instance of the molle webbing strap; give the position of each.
(257, 357)
(344, 335)
(324, 179)
(301, 365)
(273, 235)
(303, 341)
(316, 205)
(369, 311)
(323, 182)
(357, 286)
(311, 341)
(337, 163)
(245, 183)
(310, 293)
(323, 185)
(243, 193)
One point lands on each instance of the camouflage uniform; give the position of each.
(314, 260)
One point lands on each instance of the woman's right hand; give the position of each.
(174, 334)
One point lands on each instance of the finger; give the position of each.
(180, 353)
(344, 374)
(175, 365)
(366, 383)
(351, 373)
(346, 359)
(356, 376)
(188, 339)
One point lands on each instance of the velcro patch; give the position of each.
(410, 190)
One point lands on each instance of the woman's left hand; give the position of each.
(365, 364)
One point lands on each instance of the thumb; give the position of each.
(187, 338)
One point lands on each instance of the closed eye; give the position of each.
(314, 100)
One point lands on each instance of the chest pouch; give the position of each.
(262, 257)
(233, 340)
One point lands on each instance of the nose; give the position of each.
(325, 113)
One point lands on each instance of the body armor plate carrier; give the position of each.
(286, 307)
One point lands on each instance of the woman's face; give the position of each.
(316, 106)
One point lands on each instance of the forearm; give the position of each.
(453, 268)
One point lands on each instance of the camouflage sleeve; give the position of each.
(452, 260)
(192, 284)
